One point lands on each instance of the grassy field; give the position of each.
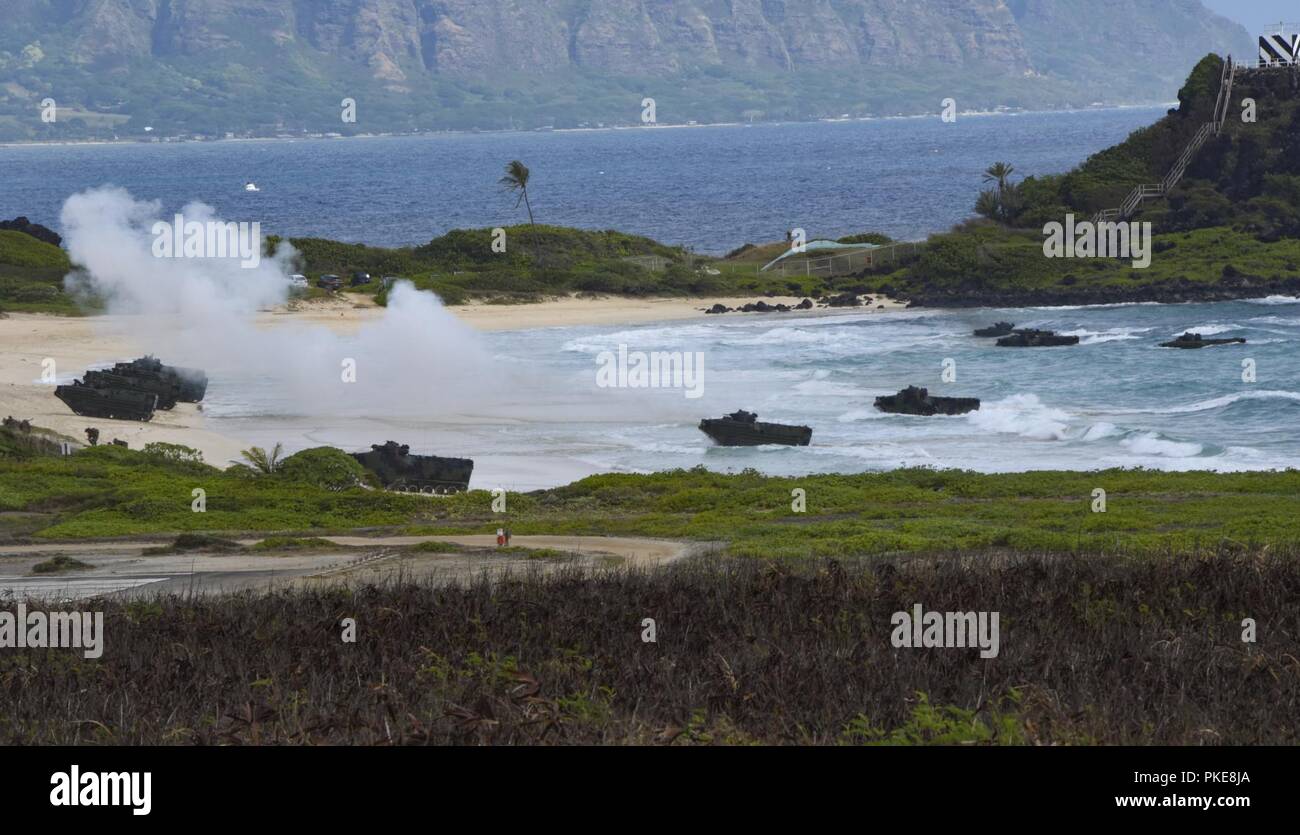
(109, 491)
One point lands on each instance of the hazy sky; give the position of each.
(1256, 14)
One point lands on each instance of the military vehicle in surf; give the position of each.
(191, 383)
(1032, 338)
(918, 401)
(168, 390)
(398, 469)
(112, 403)
(1000, 329)
(1195, 340)
(744, 429)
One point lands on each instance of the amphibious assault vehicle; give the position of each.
(113, 403)
(744, 429)
(1195, 340)
(398, 469)
(1000, 329)
(917, 401)
(1031, 338)
(191, 383)
(168, 390)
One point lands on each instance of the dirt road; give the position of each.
(122, 568)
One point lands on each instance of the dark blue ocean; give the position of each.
(712, 188)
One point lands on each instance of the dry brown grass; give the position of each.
(1101, 650)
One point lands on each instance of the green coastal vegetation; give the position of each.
(1231, 227)
(31, 275)
(109, 491)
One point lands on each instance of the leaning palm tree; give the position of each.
(516, 179)
(999, 172)
(260, 461)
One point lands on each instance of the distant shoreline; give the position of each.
(605, 129)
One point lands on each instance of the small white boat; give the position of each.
(251, 187)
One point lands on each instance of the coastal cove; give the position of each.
(1116, 399)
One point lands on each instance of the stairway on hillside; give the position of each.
(1154, 191)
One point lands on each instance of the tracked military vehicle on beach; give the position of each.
(398, 469)
(191, 383)
(918, 401)
(744, 429)
(168, 391)
(112, 403)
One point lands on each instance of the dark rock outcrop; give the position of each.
(37, 231)
(761, 306)
(849, 299)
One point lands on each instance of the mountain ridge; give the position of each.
(424, 64)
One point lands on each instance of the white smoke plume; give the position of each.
(415, 360)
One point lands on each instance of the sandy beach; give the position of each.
(27, 340)
(574, 311)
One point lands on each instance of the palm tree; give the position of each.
(1002, 203)
(999, 172)
(260, 461)
(516, 179)
(987, 204)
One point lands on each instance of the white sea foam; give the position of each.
(828, 388)
(1229, 399)
(1024, 415)
(1101, 431)
(1207, 330)
(856, 415)
(1087, 337)
(1285, 321)
(1151, 443)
